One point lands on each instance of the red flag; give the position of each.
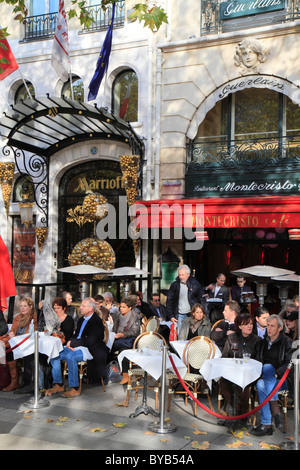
(8, 63)
(7, 281)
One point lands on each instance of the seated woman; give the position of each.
(127, 328)
(246, 342)
(195, 325)
(20, 326)
(60, 305)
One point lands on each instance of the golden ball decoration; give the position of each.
(94, 252)
(95, 206)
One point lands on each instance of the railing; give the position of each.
(212, 24)
(101, 18)
(244, 155)
(40, 27)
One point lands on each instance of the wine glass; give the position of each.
(234, 347)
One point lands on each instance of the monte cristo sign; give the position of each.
(235, 9)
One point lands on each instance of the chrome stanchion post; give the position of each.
(36, 402)
(162, 427)
(296, 404)
(294, 445)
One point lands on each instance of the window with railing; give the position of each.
(101, 18)
(41, 22)
(222, 16)
(250, 127)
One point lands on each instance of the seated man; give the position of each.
(227, 326)
(276, 353)
(86, 344)
(160, 311)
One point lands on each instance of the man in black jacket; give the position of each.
(183, 293)
(158, 310)
(220, 293)
(86, 344)
(276, 354)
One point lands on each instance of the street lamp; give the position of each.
(26, 211)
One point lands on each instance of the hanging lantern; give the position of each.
(26, 211)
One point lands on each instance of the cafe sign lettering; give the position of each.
(235, 9)
(241, 185)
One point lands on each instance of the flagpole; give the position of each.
(71, 85)
(24, 81)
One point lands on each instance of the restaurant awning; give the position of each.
(242, 212)
(45, 125)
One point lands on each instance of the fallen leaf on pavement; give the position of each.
(199, 432)
(98, 430)
(237, 444)
(200, 446)
(63, 419)
(120, 425)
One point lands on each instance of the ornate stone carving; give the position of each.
(249, 55)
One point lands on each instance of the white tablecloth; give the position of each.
(179, 346)
(151, 361)
(49, 345)
(240, 374)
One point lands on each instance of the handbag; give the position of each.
(5, 378)
(60, 335)
(113, 373)
(173, 333)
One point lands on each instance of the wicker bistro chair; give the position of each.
(82, 365)
(283, 396)
(152, 324)
(196, 351)
(151, 340)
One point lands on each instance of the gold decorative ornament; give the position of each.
(130, 169)
(7, 171)
(95, 206)
(94, 252)
(41, 235)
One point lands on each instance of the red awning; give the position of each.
(246, 212)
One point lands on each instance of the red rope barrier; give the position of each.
(19, 344)
(245, 415)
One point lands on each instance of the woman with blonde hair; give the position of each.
(20, 326)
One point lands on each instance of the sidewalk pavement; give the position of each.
(97, 420)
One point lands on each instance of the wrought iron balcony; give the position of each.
(40, 26)
(250, 155)
(211, 23)
(102, 18)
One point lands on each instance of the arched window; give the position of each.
(22, 92)
(125, 96)
(78, 89)
(251, 123)
(250, 114)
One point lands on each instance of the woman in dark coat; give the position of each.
(246, 342)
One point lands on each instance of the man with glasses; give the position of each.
(87, 344)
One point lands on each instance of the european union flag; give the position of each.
(102, 62)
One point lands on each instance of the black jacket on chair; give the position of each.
(92, 338)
